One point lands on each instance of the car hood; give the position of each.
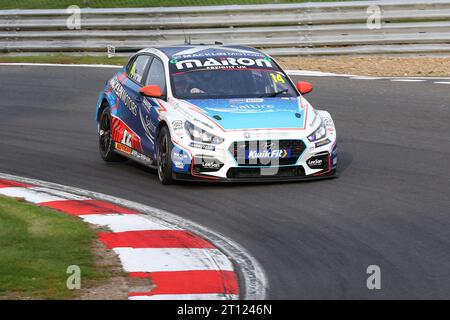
(264, 113)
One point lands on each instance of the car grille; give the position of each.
(240, 148)
(255, 173)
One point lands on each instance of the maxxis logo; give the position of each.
(123, 95)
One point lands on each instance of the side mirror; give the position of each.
(304, 87)
(151, 91)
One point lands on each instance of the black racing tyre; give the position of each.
(105, 143)
(164, 158)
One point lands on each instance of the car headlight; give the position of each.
(198, 134)
(320, 133)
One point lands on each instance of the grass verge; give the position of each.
(37, 246)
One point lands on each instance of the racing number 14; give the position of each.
(277, 78)
(126, 139)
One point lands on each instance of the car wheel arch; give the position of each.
(102, 107)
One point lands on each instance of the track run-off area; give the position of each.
(390, 205)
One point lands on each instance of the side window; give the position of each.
(137, 68)
(156, 75)
(130, 64)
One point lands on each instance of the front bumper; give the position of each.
(310, 164)
(256, 179)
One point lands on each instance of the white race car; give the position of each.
(214, 113)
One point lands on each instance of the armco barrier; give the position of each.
(406, 26)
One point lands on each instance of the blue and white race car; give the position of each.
(214, 113)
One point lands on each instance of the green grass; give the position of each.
(58, 4)
(66, 59)
(37, 246)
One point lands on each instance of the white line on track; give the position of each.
(408, 80)
(442, 82)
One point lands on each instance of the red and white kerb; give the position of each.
(180, 264)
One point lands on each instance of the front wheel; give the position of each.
(164, 157)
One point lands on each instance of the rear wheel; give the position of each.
(105, 142)
(164, 156)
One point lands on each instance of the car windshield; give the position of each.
(225, 78)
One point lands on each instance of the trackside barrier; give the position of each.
(357, 27)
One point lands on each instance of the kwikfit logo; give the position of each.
(268, 154)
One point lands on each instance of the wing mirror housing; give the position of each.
(152, 91)
(304, 87)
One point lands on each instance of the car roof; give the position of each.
(205, 51)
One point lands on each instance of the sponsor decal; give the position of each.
(203, 123)
(268, 154)
(318, 162)
(328, 122)
(204, 163)
(123, 134)
(179, 164)
(248, 108)
(177, 125)
(322, 143)
(202, 146)
(147, 104)
(222, 63)
(254, 100)
(140, 156)
(123, 95)
(210, 165)
(315, 163)
(179, 155)
(215, 51)
(147, 124)
(123, 148)
(180, 159)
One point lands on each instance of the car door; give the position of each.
(150, 108)
(127, 123)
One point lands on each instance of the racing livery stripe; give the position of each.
(188, 282)
(180, 264)
(119, 128)
(153, 239)
(82, 207)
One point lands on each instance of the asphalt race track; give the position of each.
(389, 207)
